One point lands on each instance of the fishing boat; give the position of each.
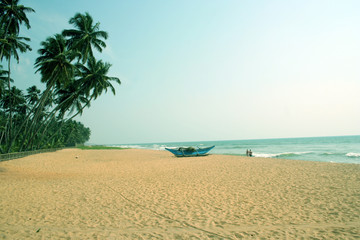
(189, 151)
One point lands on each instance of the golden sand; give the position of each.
(144, 194)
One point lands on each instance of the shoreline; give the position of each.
(132, 193)
(220, 154)
(342, 149)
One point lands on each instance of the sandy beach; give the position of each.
(145, 194)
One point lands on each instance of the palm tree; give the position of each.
(3, 124)
(13, 15)
(54, 64)
(33, 95)
(3, 42)
(3, 79)
(9, 48)
(85, 36)
(12, 101)
(71, 98)
(93, 79)
(11, 44)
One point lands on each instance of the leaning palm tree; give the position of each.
(12, 99)
(90, 82)
(13, 15)
(72, 98)
(56, 69)
(12, 102)
(85, 36)
(54, 65)
(33, 95)
(94, 79)
(3, 79)
(68, 99)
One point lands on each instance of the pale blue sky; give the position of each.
(216, 70)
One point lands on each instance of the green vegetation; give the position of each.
(98, 147)
(71, 74)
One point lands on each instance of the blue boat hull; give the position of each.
(190, 152)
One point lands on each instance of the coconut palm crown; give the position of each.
(13, 15)
(85, 36)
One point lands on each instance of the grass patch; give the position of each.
(99, 147)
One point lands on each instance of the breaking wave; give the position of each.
(279, 155)
(354, 155)
(144, 146)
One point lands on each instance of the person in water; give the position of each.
(250, 153)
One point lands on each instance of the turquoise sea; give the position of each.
(340, 149)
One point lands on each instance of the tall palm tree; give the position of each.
(9, 48)
(12, 99)
(13, 103)
(94, 79)
(3, 123)
(69, 99)
(13, 15)
(85, 36)
(33, 95)
(72, 98)
(3, 42)
(3, 79)
(54, 64)
(11, 44)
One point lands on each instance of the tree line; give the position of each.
(72, 76)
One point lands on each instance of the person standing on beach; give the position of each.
(247, 152)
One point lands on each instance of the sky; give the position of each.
(215, 69)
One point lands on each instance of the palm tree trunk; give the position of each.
(80, 110)
(3, 135)
(44, 132)
(8, 138)
(57, 131)
(70, 119)
(43, 126)
(23, 125)
(36, 115)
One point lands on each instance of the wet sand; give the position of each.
(145, 194)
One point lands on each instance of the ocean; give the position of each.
(340, 149)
